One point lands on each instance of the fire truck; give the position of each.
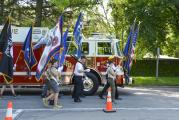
(96, 48)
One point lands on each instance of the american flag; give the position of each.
(130, 48)
(134, 39)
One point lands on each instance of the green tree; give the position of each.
(159, 27)
(159, 23)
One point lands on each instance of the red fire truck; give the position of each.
(96, 48)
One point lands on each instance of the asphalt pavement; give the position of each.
(137, 104)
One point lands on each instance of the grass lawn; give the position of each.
(151, 81)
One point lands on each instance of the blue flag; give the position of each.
(78, 34)
(126, 53)
(130, 48)
(134, 39)
(127, 47)
(29, 57)
(62, 58)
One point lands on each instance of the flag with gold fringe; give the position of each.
(6, 61)
(29, 57)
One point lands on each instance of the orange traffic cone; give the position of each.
(9, 111)
(109, 103)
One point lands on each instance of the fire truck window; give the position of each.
(85, 48)
(71, 49)
(104, 48)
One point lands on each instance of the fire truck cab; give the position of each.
(96, 48)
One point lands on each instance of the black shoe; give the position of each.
(51, 102)
(78, 100)
(43, 95)
(101, 97)
(83, 96)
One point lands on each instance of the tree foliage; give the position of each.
(159, 27)
(28, 12)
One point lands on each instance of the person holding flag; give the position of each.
(54, 44)
(53, 80)
(6, 62)
(61, 59)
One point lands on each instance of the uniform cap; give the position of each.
(111, 57)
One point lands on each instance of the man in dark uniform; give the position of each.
(78, 78)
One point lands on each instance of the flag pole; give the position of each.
(17, 59)
(130, 45)
(29, 71)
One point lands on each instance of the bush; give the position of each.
(167, 67)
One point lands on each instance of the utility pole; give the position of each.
(157, 62)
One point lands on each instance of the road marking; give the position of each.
(18, 111)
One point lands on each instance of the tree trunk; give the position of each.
(2, 11)
(38, 19)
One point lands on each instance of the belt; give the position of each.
(78, 75)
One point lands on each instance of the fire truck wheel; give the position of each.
(90, 83)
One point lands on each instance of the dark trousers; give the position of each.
(126, 79)
(107, 85)
(82, 92)
(78, 86)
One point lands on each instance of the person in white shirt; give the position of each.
(78, 78)
(120, 74)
